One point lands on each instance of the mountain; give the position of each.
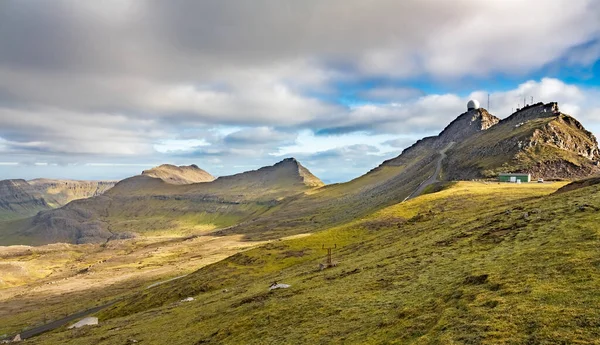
(393, 181)
(19, 199)
(179, 174)
(537, 139)
(148, 205)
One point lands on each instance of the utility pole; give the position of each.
(329, 249)
(531, 99)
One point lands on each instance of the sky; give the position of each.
(106, 89)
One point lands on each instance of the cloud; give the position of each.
(260, 136)
(147, 81)
(399, 142)
(391, 94)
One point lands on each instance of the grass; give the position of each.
(476, 263)
(40, 284)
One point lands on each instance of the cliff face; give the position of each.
(60, 192)
(568, 134)
(21, 199)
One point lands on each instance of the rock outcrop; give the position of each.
(467, 124)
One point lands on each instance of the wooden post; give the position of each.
(329, 262)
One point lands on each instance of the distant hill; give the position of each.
(60, 192)
(144, 204)
(179, 174)
(19, 199)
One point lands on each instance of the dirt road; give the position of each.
(433, 178)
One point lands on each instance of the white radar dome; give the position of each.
(472, 105)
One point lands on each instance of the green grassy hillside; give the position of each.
(473, 264)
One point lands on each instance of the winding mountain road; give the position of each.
(61, 322)
(32, 332)
(433, 178)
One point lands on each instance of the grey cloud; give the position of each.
(392, 94)
(400, 142)
(260, 136)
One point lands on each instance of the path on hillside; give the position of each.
(433, 178)
(61, 322)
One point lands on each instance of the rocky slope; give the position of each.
(537, 139)
(179, 174)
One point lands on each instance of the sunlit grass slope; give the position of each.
(473, 264)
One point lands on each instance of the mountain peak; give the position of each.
(179, 174)
(307, 177)
(286, 171)
(467, 124)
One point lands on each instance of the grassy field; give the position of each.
(476, 263)
(41, 284)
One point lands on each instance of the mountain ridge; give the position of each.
(147, 204)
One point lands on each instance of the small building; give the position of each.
(514, 178)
